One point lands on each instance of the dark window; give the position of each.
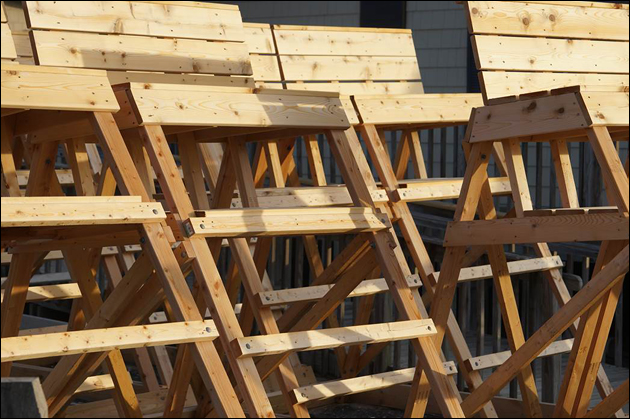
(383, 14)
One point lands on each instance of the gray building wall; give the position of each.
(439, 31)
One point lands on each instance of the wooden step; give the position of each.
(358, 385)
(313, 340)
(78, 211)
(101, 340)
(443, 189)
(286, 222)
(494, 360)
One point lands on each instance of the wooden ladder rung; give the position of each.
(78, 211)
(306, 294)
(285, 222)
(101, 340)
(444, 189)
(313, 340)
(518, 267)
(497, 359)
(359, 385)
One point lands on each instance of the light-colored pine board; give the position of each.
(209, 107)
(265, 68)
(284, 222)
(129, 53)
(8, 46)
(30, 87)
(496, 359)
(544, 115)
(363, 88)
(607, 108)
(158, 19)
(101, 340)
(348, 42)
(311, 340)
(121, 77)
(444, 189)
(501, 84)
(550, 55)
(77, 213)
(551, 21)
(417, 108)
(95, 384)
(52, 293)
(259, 38)
(350, 68)
(557, 229)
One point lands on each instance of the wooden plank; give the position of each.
(192, 20)
(345, 42)
(77, 212)
(443, 189)
(348, 68)
(279, 222)
(265, 68)
(95, 384)
(429, 109)
(547, 20)
(550, 55)
(129, 53)
(30, 87)
(497, 359)
(528, 117)
(606, 108)
(101, 340)
(122, 77)
(363, 88)
(313, 340)
(52, 293)
(8, 46)
(558, 229)
(500, 84)
(358, 385)
(208, 107)
(259, 38)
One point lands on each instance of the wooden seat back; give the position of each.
(526, 47)
(9, 53)
(187, 40)
(351, 61)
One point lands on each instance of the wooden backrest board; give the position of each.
(523, 47)
(262, 51)
(351, 61)
(149, 36)
(9, 52)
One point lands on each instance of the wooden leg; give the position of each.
(9, 173)
(212, 288)
(359, 180)
(564, 174)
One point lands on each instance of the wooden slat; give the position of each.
(501, 84)
(122, 77)
(279, 222)
(345, 42)
(52, 293)
(76, 212)
(363, 88)
(30, 87)
(192, 20)
(443, 189)
(606, 108)
(159, 105)
(96, 384)
(545, 115)
(259, 38)
(101, 340)
(350, 68)
(558, 229)
(545, 20)
(494, 360)
(550, 55)
(129, 53)
(8, 46)
(265, 68)
(313, 340)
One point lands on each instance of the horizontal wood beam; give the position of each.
(103, 340)
(494, 360)
(313, 340)
(51, 293)
(443, 189)
(285, 222)
(554, 229)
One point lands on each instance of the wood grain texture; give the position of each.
(8, 46)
